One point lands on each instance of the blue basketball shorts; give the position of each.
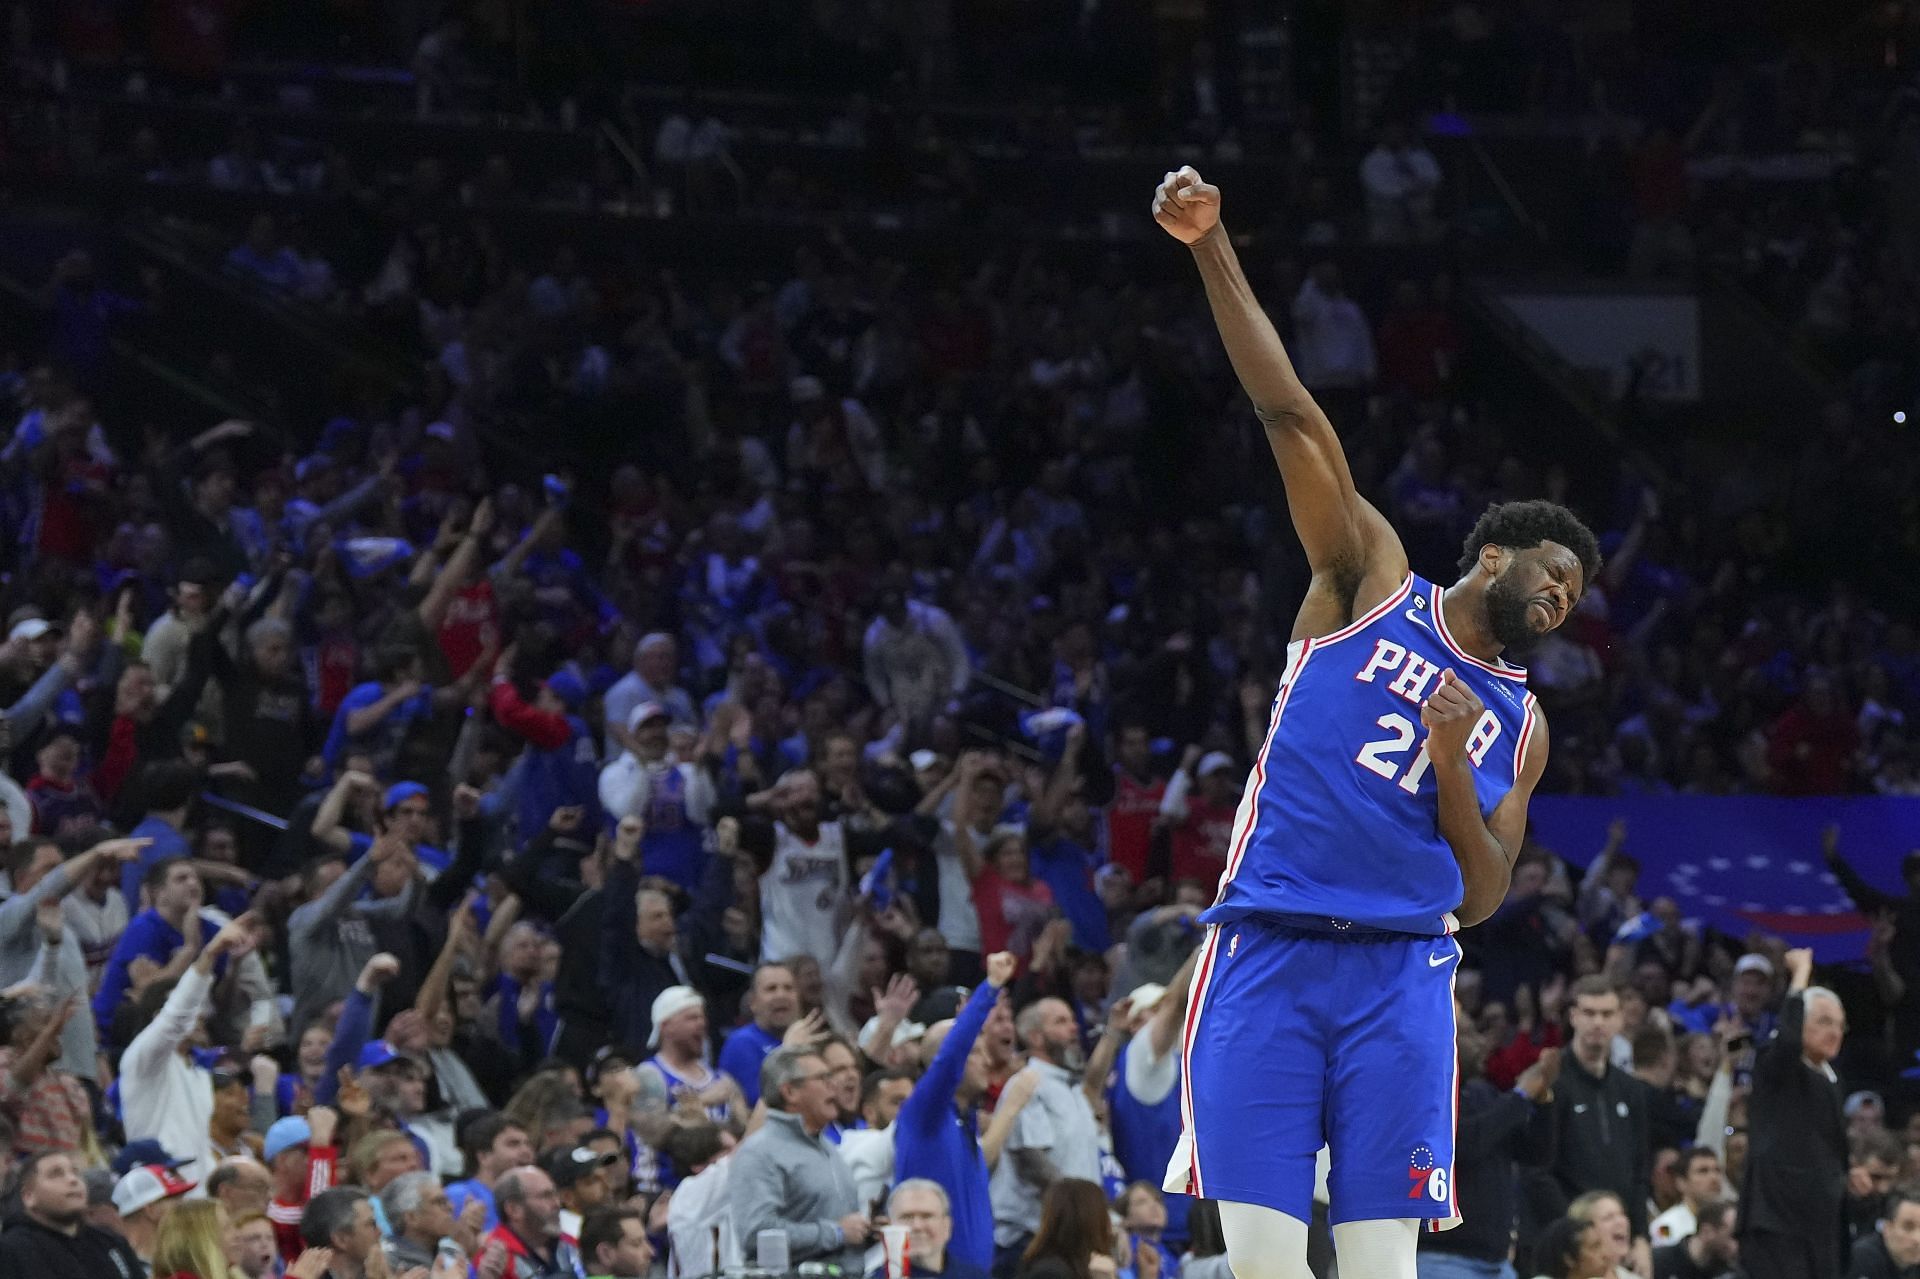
(1297, 1040)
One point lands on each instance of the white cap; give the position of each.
(670, 1003)
(1753, 964)
(644, 712)
(923, 760)
(148, 1184)
(30, 629)
(905, 1033)
(1212, 762)
(1146, 997)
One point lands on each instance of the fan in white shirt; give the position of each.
(1701, 1182)
(164, 1093)
(803, 893)
(700, 1216)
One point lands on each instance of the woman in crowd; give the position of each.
(1075, 1239)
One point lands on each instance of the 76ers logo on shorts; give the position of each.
(1429, 1180)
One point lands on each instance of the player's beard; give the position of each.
(1507, 617)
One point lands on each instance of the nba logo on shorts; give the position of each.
(1428, 1181)
(1233, 945)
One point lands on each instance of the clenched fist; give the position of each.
(1185, 207)
(1449, 713)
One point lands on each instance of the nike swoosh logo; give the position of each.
(1416, 619)
(1434, 961)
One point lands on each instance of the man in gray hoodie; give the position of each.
(41, 878)
(787, 1176)
(330, 939)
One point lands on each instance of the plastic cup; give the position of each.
(894, 1240)
(770, 1249)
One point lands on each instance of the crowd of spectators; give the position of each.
(795, 820)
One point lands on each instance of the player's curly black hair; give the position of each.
(1522, 525)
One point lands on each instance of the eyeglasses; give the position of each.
(816, 1075)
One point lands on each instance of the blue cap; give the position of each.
(376, 1053)
(143, 1153)
(284, 1136)
(399, 793)
(566, 686)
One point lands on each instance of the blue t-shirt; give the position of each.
(151, 937)
(460, 1191)
(383, 739)
(167, 844)
(742, 1054)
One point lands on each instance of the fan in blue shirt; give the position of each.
(155, 934)
(773, 1003)
(936, 1135)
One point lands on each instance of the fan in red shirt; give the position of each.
(1814, 747)
(301, 1153)
(1013, 906)
(334, 659)
(1201, 816)
(74, 479)
(1137, 795)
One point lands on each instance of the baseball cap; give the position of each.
(904, 1033)
(922, 760)
(376, 1053)
(568, 1166)
(670, 1003)
(1753, 964)
(31, 628)
(284, 1135)
(644, 712)
(442, 431)
(1146, 996)
(1865, 1097)
(1213, 761)
(940, 1004)
(148, 1184)
(143, 1153)
(566, 686)
(399, 793)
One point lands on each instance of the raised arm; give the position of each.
(454, 573)
(327, 828)
(1865, 895)
(1356, 557)
(1484, 847)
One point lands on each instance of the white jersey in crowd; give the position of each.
(698, 1216)
(802, 893)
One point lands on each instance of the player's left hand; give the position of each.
(1449, 714)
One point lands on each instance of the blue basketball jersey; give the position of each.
(1340, 818)
(1145, 1136)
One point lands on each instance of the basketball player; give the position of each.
(1383, 814)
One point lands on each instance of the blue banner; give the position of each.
(1737, 863)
